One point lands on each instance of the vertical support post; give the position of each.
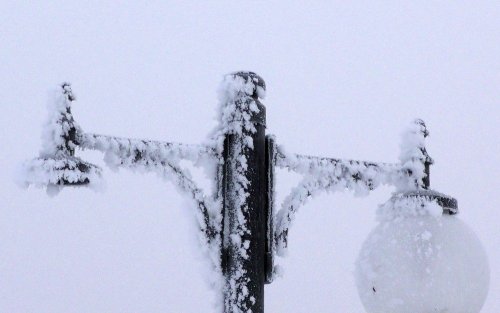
(61, 128)
(414, 158)
(270, 161)
(244, 191)
(426, 159)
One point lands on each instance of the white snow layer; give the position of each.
(413, 155)
(418, 260)
(57, 164)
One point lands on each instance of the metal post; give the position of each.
(245, 275)
(245, 181)
(426, 160)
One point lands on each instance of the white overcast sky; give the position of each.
(344, 78)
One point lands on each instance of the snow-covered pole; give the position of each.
(243, 124)
(239, 230)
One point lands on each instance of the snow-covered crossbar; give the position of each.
(57, 165)
(162, 158)
(136, 149)
(332, 175)
(238, 227)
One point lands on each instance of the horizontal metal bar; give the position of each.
(148, 149)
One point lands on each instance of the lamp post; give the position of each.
(240, 231)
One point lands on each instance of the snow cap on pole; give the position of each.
(238, 84)
(239, 106)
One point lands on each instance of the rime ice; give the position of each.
(401, 254)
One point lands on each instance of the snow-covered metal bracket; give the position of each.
(240, 231)
(57, 166)
(410, 176)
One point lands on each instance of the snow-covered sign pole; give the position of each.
(239, 229)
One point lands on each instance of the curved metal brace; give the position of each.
(163, 158)
(331, 175)
(186, 185)
(63, 135)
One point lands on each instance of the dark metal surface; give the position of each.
(426, 180)
(270, 161)
(448, 203)
(253, 266)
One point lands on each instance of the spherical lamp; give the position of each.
(421, 258)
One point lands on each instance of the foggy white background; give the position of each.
(343, 80)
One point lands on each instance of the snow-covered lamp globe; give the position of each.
(421, 258)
